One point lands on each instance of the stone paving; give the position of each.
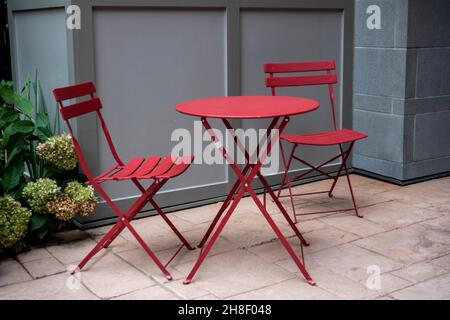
(405, 234)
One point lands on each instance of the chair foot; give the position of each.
(330, 195)
(311, 282)
(168, 277)
(186, 282)
(189, 247)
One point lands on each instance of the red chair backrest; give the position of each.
(77, 91)
(328, 78)
(77, 109)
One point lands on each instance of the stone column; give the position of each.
(402, 89)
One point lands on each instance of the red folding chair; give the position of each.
(337, 136)
(160, 170)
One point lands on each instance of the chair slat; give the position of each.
(75, 91)
(78, 109)
(178, 168)
(301, 81)
(163, 166)
(130, 167)
(300, 66)
(144, 169)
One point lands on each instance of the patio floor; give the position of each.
(405, 233)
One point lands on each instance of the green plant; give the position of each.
(34, 163)
(22, 126)
(13, 221)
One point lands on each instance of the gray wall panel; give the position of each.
(43, 48)
(289, 36)
(147, 61)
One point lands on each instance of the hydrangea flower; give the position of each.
(13, 221)
(58, 151)
(38, 193)
(63, 208)
(83, 196)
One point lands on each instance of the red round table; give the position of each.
(277, 108)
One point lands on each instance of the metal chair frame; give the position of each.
(338, 137)
(160, 170)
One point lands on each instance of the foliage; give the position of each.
(13, 221)
(35, 165)
(22, 126)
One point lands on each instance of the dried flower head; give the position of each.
(63, 208)
(86, 208)
(38, 193)
(13, 221)
(58, 151)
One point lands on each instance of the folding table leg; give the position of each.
(214, 237)
(283, 210)
(283, 240)
(223, 207)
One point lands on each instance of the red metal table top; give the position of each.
(247, 107)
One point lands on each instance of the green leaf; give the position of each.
(37, 221)
(6, 83)
(42, 133)
(42, 120)
(41, 232)
(9, 96)
(24, 126)
(20, 126)
(25, 106)
(16, 150)
(8, 116)
(17, 140)
(12, 176)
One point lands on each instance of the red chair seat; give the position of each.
(150, 168)
(327, 138)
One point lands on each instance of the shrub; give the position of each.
(13, 221)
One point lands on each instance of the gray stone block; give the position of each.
(429, 23)
(385, 133)
(408, 138)
(381, 72)
(425, 168)
(432, 132)
(372, 103)
(421, 105)
(394, 26)
(433, 71)
(383, 167)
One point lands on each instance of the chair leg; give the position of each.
(348, 180)
(344, 156)
(286, 180)
(147, 249)
(170, 224)
(286, 167)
